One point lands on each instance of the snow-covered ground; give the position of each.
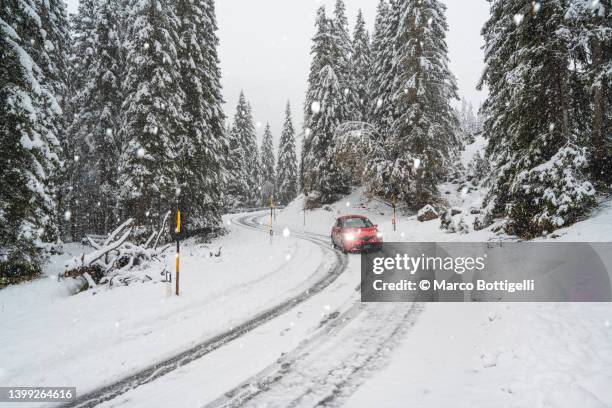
(499, 355)
(482, 355)
(95, 337)
(328, 348)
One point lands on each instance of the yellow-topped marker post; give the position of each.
(178, 249)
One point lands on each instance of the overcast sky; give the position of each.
(265, 50)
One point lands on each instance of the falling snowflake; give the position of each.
(536, 6)
(286, 232)
(109, 132)
(518, 19)
(348, 204)
(259, 124)
(146, 46)
(140, 153)
(551, 127)
(417, 164)
(595, 4)
(315, 107)
(307, 132)
(346, 91)
(67, 215)
(430, 21)
(379, 103)
(288, 257)
(76, 158)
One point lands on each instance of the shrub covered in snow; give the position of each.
(427, 213)
(550, 195)
(453, 224)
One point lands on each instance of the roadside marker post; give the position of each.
(271, 215)
(178, 249)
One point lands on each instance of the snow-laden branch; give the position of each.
(115, 256)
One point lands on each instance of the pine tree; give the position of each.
(361, 61)
(325, 107)
(152, 112)
(323, 54)
(422, 139)
(82, 29)
(237, 187)
(96, 125)
(29, 118)
(201, 145)
(380, 84)
(342, 50)
(323, 178)
(590, 30)
(538, 179)
(286, 169)
(244, 129)
(268, 173)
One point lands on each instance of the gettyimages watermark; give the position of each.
(488, 272)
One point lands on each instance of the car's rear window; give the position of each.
(356, 223)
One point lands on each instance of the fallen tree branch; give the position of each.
(116, 256)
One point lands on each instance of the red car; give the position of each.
(354, 233)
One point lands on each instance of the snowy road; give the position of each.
(318, 352)
(332, 266)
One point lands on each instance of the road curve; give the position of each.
(159, 369)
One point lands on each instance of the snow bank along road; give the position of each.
(314, 353)
(325, 274)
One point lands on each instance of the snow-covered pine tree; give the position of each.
(382, 73)
(153, 115)
(342, 50)
(244, 128)
(323, 178)
(322, 52)
(537, 180)
(96, 125)
(469, 124)
(201, 146)
(268, 173)
(321, 56)
(237, 189)
(422, 140)
(361, 61)
(83, 26)
(589, 33)
(324, 108)
(29, 116)
(286, 169)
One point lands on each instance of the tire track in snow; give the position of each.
(151, 373)
(327, 368)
